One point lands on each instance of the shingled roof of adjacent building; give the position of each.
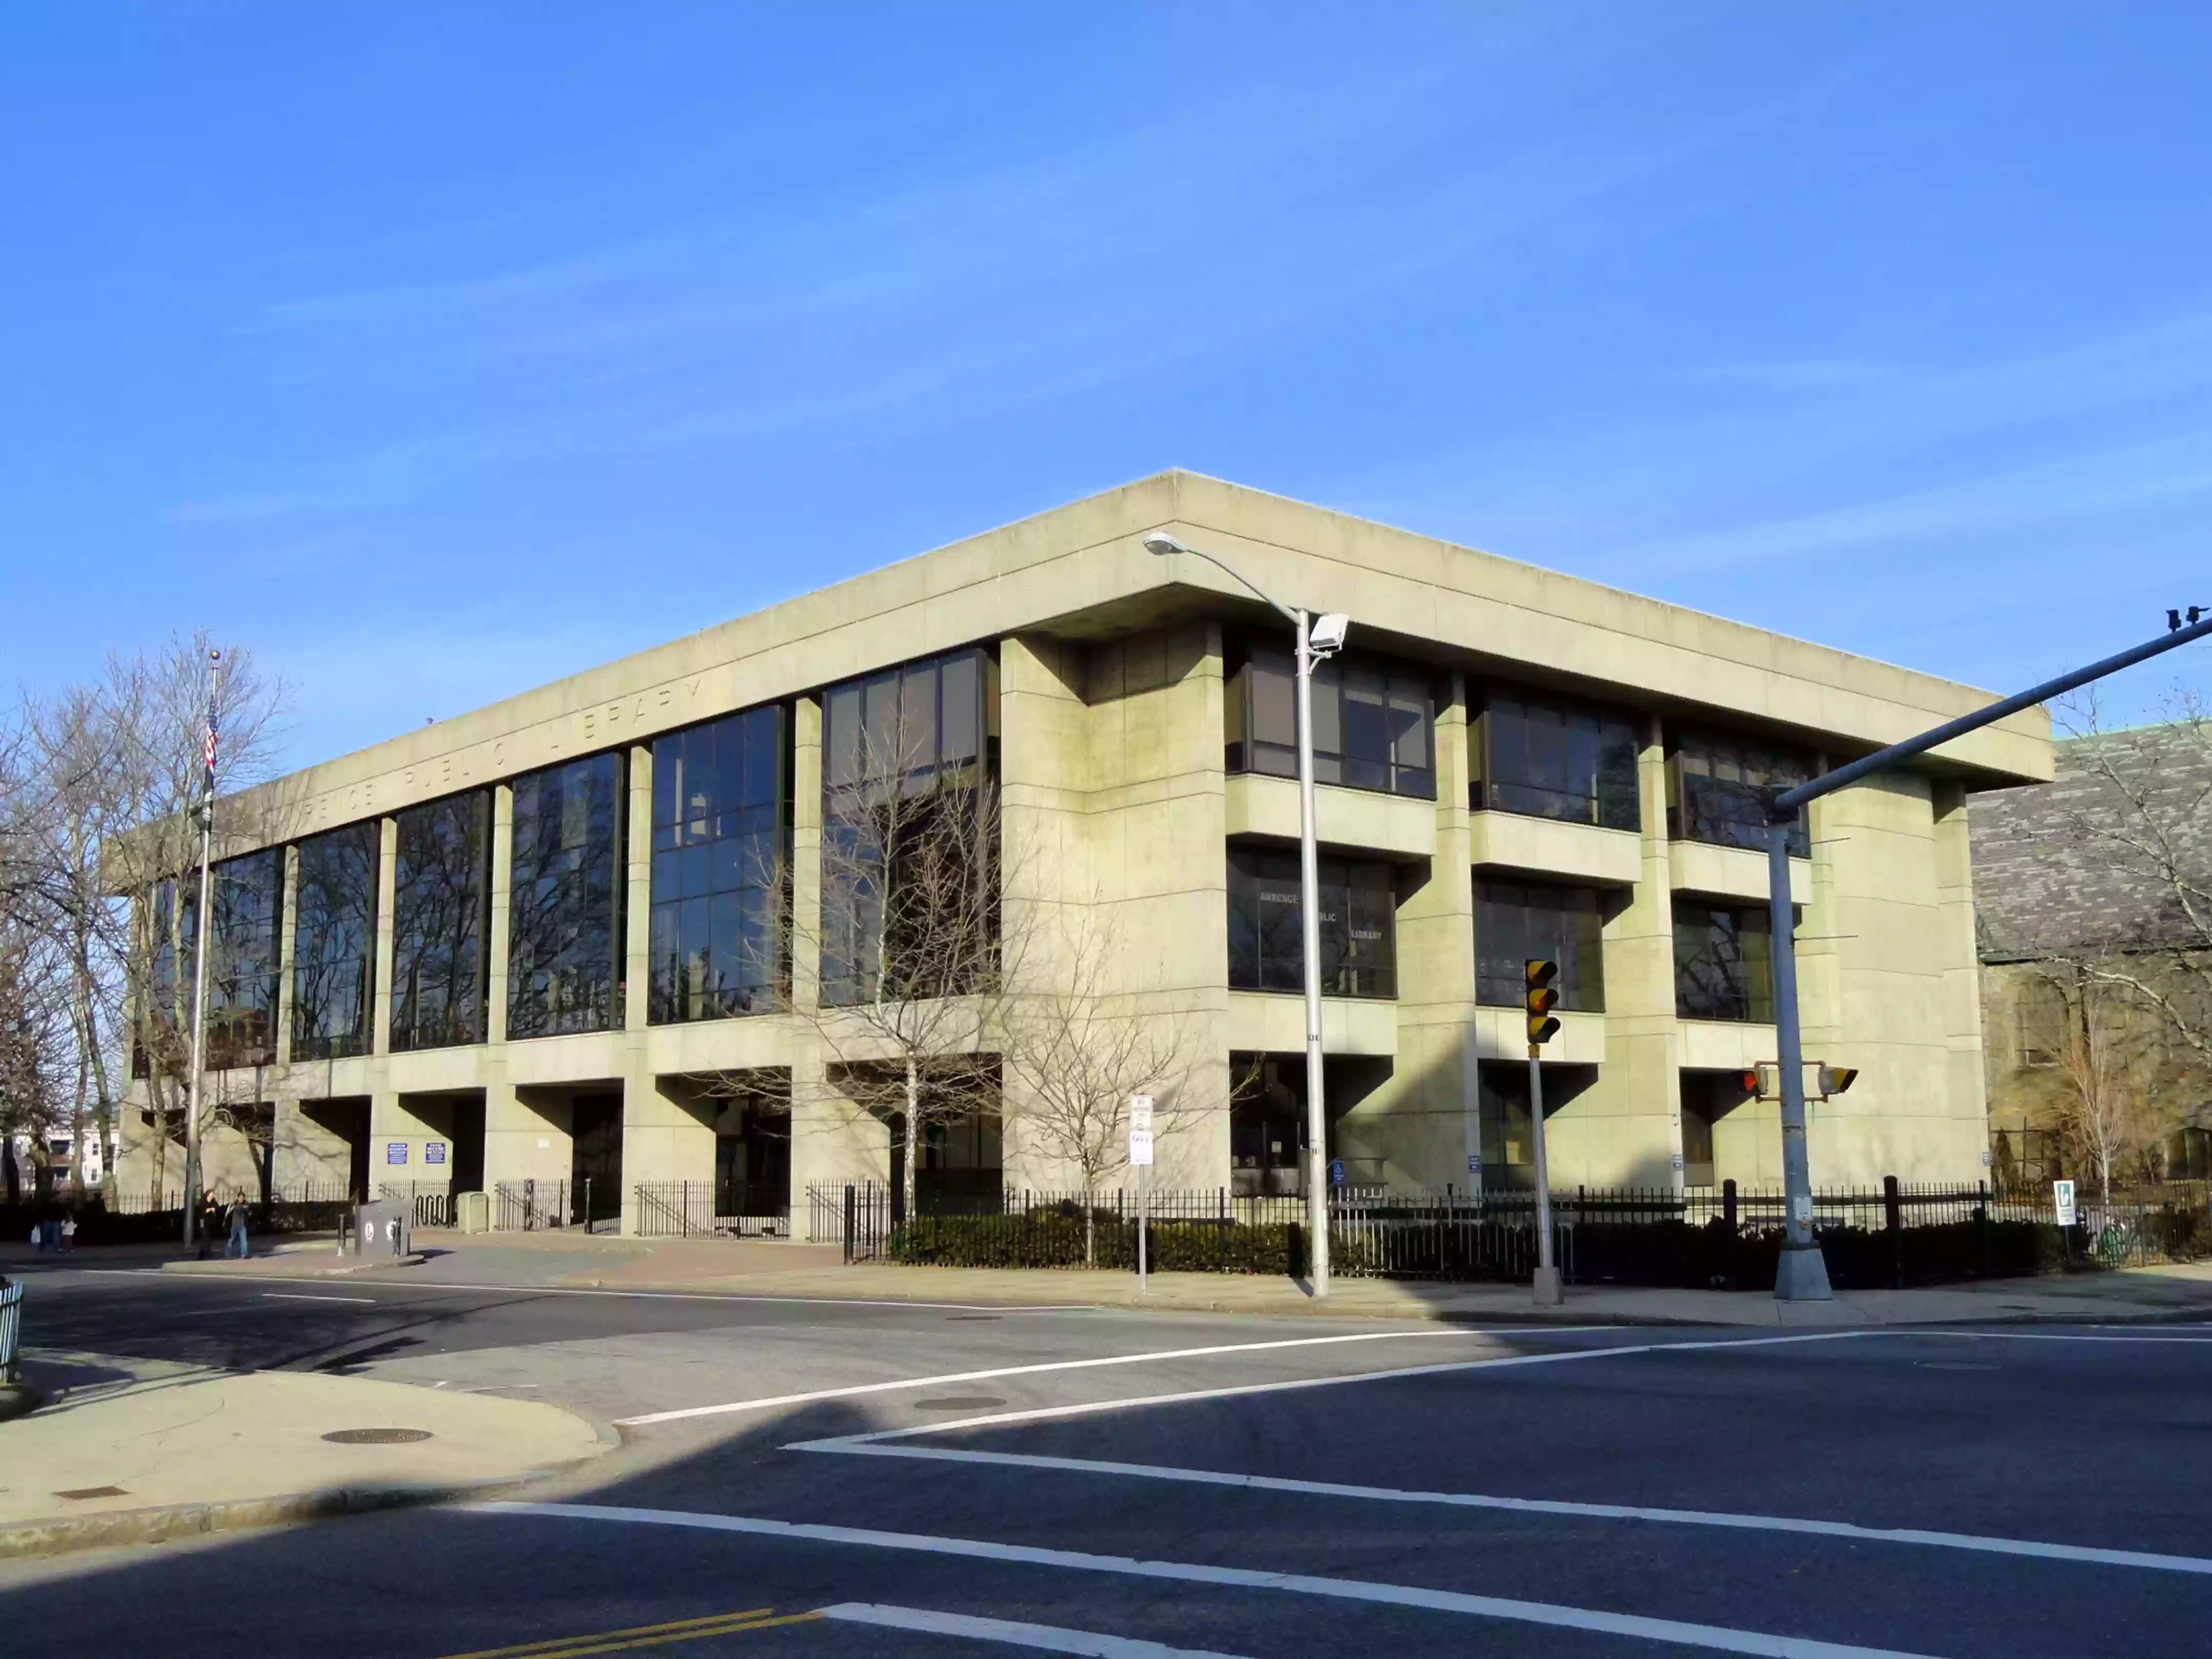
(2046, 881)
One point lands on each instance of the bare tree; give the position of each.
(124, 767)
(914, 948)
(2103, 1115)
(2145, 832)
(1079, 1050)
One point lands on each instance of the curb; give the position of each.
(171, 1521)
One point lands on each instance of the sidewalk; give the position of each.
(133, 1451)
(706, 1266)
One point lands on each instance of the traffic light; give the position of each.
(1834, 1080)
(1543, 999)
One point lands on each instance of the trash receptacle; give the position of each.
(472, 1212)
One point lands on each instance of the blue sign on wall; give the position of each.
(395, 1152)
(434, 1151)
(1336, 1172)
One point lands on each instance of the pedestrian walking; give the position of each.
(210, 1216)
(237, 1245)
(68, 1234)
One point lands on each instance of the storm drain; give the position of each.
(376, 1437)
(959, 1402)
(94, 1491)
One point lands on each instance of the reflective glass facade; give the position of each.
(909, 833)
(1723, 962)
(334, 944)
(166, 917)
(247, 895)
(1518, 922)
(564, 938)
(1552, 759)
(1716, 789)
(1374, 721)
(721, 821)
(441, 915)
(1267, 942)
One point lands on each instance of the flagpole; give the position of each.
(201, 928)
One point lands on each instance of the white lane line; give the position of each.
(1049, 1639)
(1236, 1391)
(857, 1446)
(428, 1286)
(772, 1401)
(2042, 1336)
(1715, 1637)
(300, 1295)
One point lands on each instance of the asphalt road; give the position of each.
(1252, 1487)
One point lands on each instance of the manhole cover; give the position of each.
(376, 1437)
(959, 1402)
(94, 1491)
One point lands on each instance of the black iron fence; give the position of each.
(706, 1209)
(522, 1206)
(120, 1217)
(1894, 1234)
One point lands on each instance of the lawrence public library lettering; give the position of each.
(651, 947)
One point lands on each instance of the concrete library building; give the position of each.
(624, 941)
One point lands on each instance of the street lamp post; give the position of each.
(1318, 638)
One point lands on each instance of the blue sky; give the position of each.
(437, 352)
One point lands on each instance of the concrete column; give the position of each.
(832, 1140)
(287, 976)
(805, 931)
(1418, 1127)
(387, 871)
(1967, 1092)
(502, 887)
(387, 1121)
(1626, 1128)
(637, 891)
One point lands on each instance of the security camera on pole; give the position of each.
(1319, 637)
(1543, 1026)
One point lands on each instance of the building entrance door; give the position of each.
(595, 1161)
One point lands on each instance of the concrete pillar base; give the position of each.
(1801, 1275)
(1546, 1291)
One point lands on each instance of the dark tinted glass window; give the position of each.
(1716, 789)
(165, 919)
(1553, 760)
(1358, 925)
(1374, 722)
(441, 913)
(243, 965)
(910, 831)
(721, 822)
(334, 944)
(1723, 962)
(564, 938)
(1518, 922)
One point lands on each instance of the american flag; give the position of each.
(210, 742)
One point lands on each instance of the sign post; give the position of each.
(1141, 1160)
(2063, 1211)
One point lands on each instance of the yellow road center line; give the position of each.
(536, 1649)
(735, 1628)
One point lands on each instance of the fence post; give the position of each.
(1893, 1221)
(852, 1208)
(1982, 1229)
(1728, 1216)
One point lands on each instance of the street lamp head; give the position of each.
(1159, 542)
(1328, 632)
